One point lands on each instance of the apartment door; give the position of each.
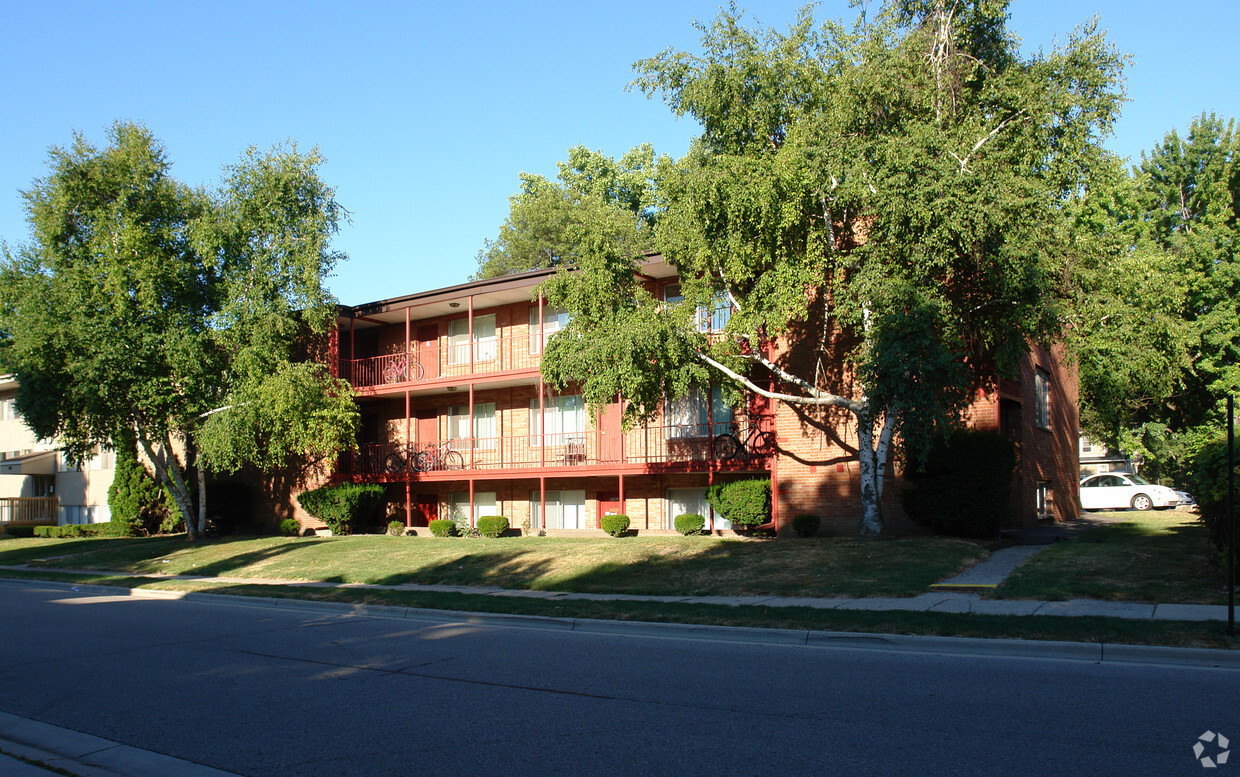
(426, 509)
(609, 504)
(427, 428)
(610, 441)
(428, 350)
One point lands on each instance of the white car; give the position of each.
(1121, 490)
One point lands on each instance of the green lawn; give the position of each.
(635, 565)
(1150, 557)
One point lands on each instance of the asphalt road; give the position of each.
(283, 693)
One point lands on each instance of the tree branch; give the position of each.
(821, 398)
(964, 162)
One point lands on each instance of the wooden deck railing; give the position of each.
(29, 509)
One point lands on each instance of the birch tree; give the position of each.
(144, 308)
(887, 198)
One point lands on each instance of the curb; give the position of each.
(1108, 653)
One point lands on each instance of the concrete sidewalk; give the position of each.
(934, 601)
(30, 748)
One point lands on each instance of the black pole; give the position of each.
(1231, 515)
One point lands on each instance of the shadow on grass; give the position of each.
(781, 567)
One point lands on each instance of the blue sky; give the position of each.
(427, 112)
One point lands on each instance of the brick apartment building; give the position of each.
(457, 421)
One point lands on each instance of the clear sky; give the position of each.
(427, 111)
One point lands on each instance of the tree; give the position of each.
(145, 309)
(1158, 324)
(548, 221)
(891, 198)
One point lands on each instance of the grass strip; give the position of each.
(1039, 627)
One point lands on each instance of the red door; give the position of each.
(426, 510)
(608, 504)
(428, 350)
(610, 440)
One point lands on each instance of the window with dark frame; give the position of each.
(1042, 398)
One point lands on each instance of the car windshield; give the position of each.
(1140, 481)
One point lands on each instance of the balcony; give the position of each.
(29, 510)
(444, 361)
(663, 448)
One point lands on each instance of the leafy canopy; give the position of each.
(885, 205)
(142, 306)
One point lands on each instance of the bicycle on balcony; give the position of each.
(757, 442)
(438, 456)
(401, 370)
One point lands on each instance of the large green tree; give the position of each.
(144, 308)
(1158, 324)
(551, 222)
(891, 198)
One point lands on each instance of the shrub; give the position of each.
(289, 527)
(492, 525)
(443, 527)
(107, 529)
(746, 503)
(135, 500)
(806, 525)
(1207, 482)
(344, 506)
(395, 528)
(22, 531)
(689, 523)
(615, 525)
(963, 487)
(463, 528)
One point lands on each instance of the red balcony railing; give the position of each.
(677, 443)
(517, 350)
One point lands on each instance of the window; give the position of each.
(484, 426)
(553, 321)
(687, 416)
(681, 501)
(709, 319)
(484, 339)
(565, 417)
(8, 410)
(1043, 497)
(1042, 398)
(565, 509)
(458, 505)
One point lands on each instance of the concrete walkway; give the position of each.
(934, 601)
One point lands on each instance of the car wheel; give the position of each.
(1142, 502)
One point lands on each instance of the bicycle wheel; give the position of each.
(394, 463)
(416, 371)
(425, 461)
(453, 460)
(763, 444)
(725, 447)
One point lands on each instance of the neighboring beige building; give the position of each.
(36, 469)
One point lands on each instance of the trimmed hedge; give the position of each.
(746, 503)
(443, 527)
(806, 525)
(395, 528)
(492, 525)
(689, 523)
(964, 487)
(343, 507)
(289, 527)
(108, 529)
(615, 525)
